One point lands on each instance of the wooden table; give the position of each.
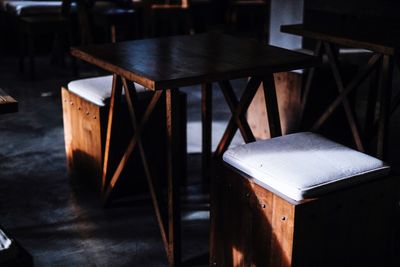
(165, 64)
(384, 42)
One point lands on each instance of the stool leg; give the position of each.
(206, 112)
(385, 87)
(174, 216)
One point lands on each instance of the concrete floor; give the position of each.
(60, 222)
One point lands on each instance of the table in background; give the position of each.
(165, 64)
(384, 42)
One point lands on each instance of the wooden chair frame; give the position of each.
(381, 63)
(169, 226)
(239, 108)
(382, 60)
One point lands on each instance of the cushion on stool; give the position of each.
(304, 165)
(24, 8)
(96, 90)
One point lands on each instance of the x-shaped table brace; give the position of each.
(384, 65)
(170, 231)
(239, 108)
(169, 224)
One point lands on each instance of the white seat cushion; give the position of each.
(304, 165)
(5, 242)
(96, 90)
(25, 8)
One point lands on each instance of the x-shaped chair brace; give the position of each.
(379, 62)
(239, 108)
(170, 231)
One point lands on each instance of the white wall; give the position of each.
(285, 12)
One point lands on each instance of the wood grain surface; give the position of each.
(379, 40)
(191, 59)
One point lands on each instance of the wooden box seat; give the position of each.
(303, 200)
(85, 114)
(304, 165)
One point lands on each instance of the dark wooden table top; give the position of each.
(383, 39)
(178, 61)
(7, 103)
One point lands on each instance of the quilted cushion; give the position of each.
(96, 90)
(304, 165)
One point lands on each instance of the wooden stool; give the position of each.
(303, 200)
(85, 112)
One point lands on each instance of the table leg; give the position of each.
(396, 100)
(174, 216)
(206, 117)
(114, 106)
(385, 88)
(138, 127)
(348, 110)
(132, 101)
(271, 103)
(371, 103)
(310, 77)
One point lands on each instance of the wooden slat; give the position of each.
(288, 86)
(7, 103)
